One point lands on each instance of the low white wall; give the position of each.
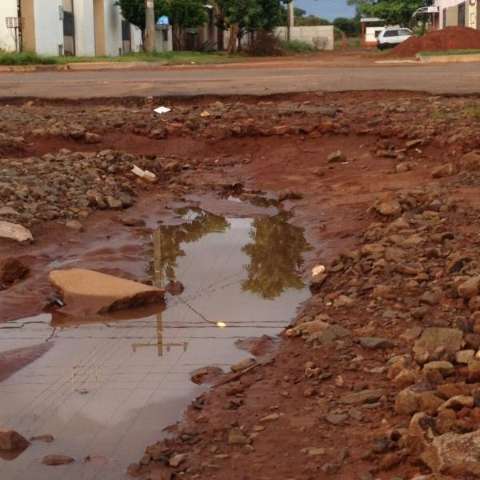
(137, 44)
(113, 28)
(321, 37)
(84, 28)
(48, 26)
(160, 44)
(8, 8)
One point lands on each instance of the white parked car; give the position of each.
(393, 36)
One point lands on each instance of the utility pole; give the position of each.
(149, 26)
(290, 19)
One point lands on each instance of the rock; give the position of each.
(92, 138)
(470, 288)
(337, 156)
(407, 402)
(364, 396)
(454, 454)
(471, 161)
(446, 170)
(114, 203)
(12, 271)
(237, 437)
(458, 402)
(474, 370)
(445, 368)
(450, 340)
(270, 418)
(174, 287)
(205, 375)
(47, 438)
(176, 460)
(336, 418)
(243, 365)
(330, 334)
(313, 451)
(374, 343)
(11, 441)
(104, 293)
(74, 225)
(16, 232)
(55, 460)
(389, 208)
(464, 356)
(256, 346)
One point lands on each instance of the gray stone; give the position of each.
(432, 339)
(375, 342)
(365, 396)
(454, 454)
(11, 441)
(55, 460)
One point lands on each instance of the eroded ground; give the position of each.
(384, 189)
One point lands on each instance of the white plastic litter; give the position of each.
(318, 270)
(145, 174)
(162, 110)
(15, 232)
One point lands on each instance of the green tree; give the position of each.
(392, 11)
(183, 14)
(134, 11)
(276, 256)
(349, 26)
(173, 236)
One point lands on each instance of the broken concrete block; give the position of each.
(102, 293)
(14, 231)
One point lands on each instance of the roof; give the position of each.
(371, 20)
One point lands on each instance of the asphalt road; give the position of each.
(461, 78)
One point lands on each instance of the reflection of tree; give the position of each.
(173, 236)
(276, 254)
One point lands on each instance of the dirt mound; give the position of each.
(450, 38)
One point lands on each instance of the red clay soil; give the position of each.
(450, 38)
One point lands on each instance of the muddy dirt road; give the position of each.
(376, 371)
(249, 79)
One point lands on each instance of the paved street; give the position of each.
(243, 79)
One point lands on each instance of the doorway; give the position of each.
(68, 28)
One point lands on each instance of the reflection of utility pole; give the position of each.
(158, 281)
(149, 26)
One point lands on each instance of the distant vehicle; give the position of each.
(393, 36)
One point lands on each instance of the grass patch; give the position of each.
(162, 58)
(26, 58)
(297, 46)
(450, 52)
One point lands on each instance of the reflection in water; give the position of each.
(276, 255)
(199, 223)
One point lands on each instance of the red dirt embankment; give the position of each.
(450, 38)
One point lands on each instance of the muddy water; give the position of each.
(107, 389)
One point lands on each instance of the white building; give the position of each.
(453, 13)
(72, 27)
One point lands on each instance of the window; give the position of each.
(405, 31)
(391, 33)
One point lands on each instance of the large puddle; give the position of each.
(106, 390)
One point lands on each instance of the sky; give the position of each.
(326, 8)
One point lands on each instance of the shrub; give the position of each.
(297, 46)
(265, 44)
(25, 58)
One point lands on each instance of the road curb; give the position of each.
(449, 58)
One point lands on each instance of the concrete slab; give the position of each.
(102, 293)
